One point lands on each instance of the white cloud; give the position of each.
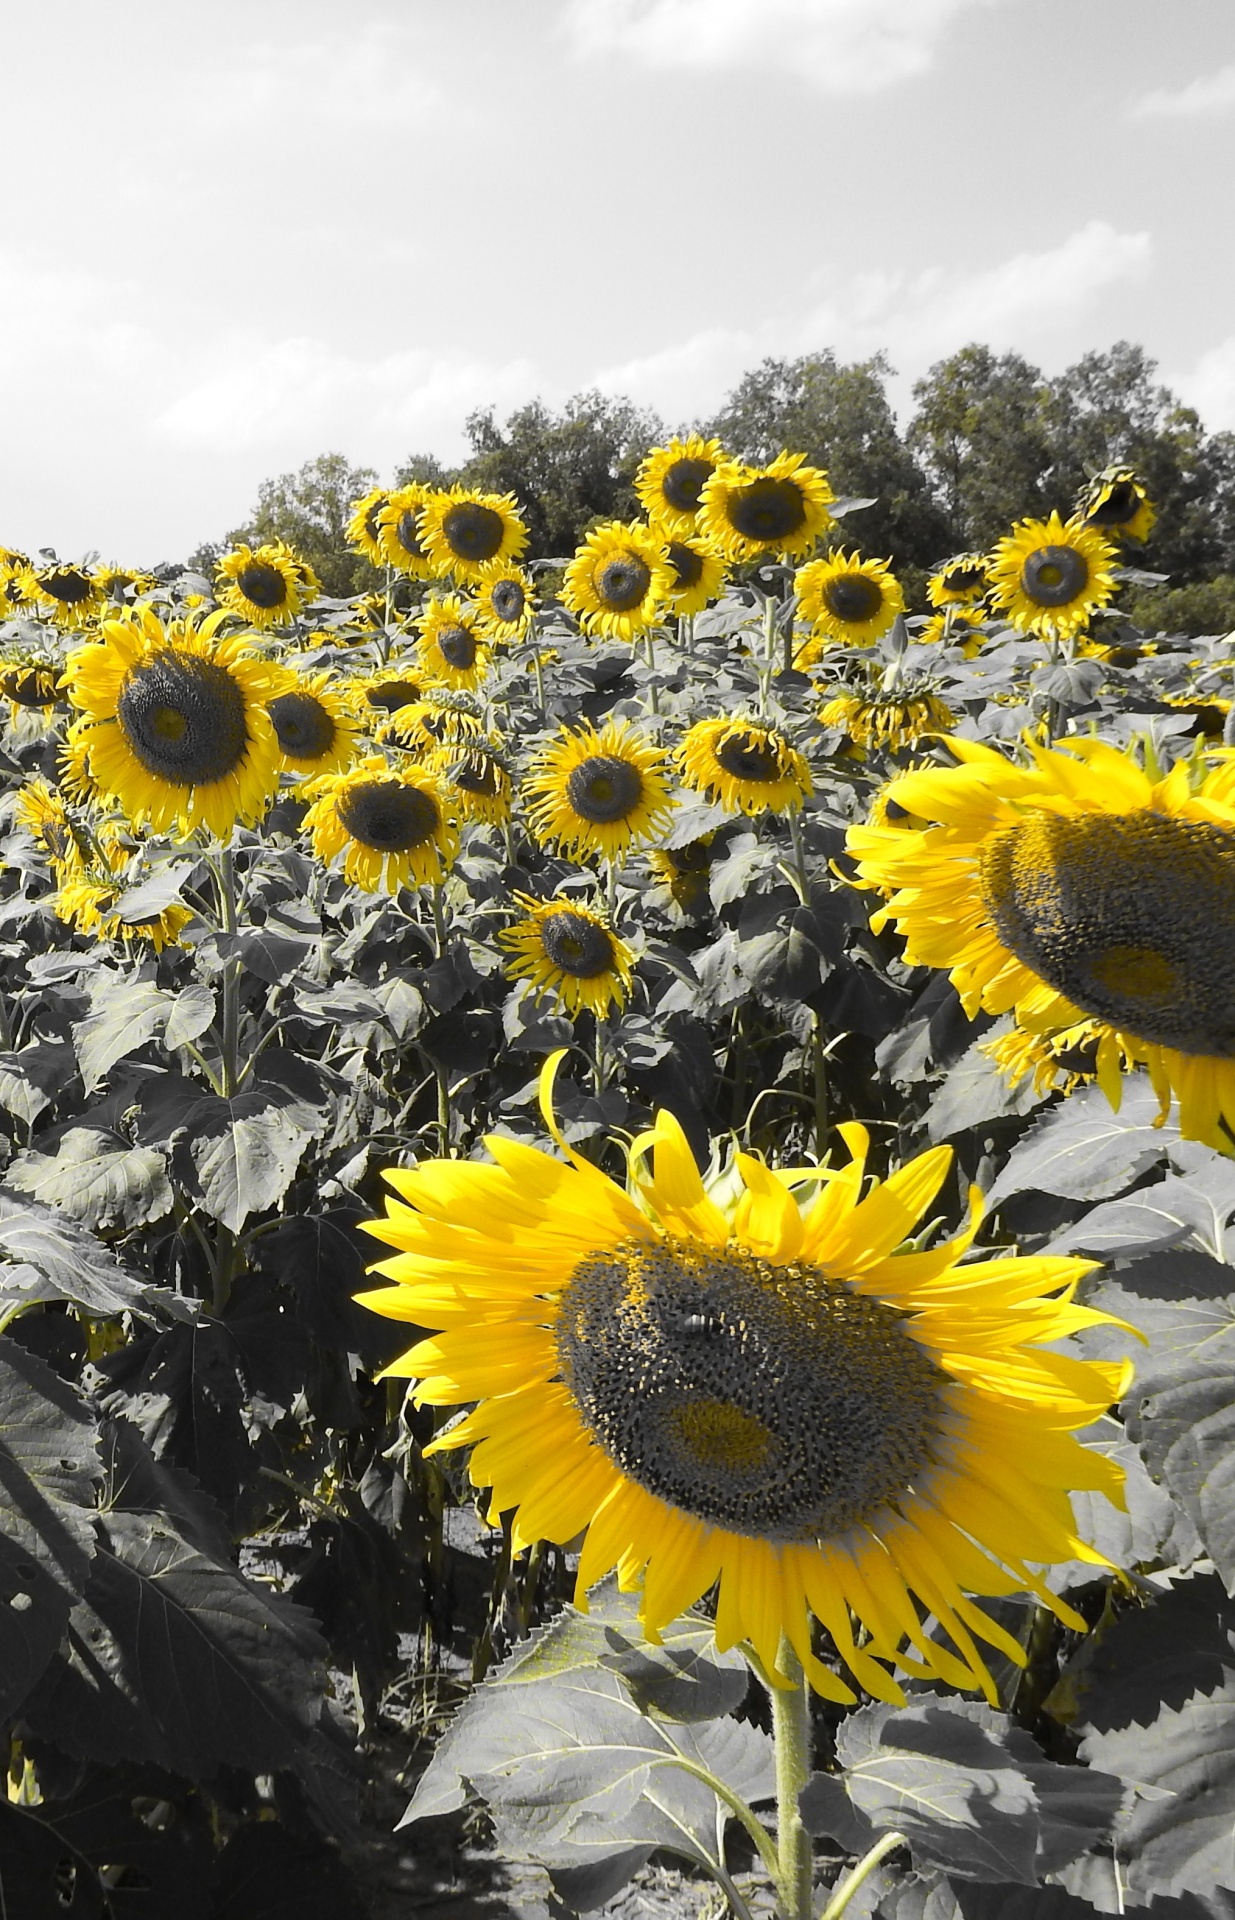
(368, 75)
(1210, 386)
(1210, 93)
(850, 46)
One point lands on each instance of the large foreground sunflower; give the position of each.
(566, 950)
(744, 764)
(1049, 576)
(752, 1389)
(390, 825)
(846, 599)
(619, 580)
(1078, 887)
(672, 478)
(751, 513)
(265, 585)
(1117, 504)
(463, 531)
(175, 722)
(595, 793)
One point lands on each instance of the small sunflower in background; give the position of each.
(398, 532)
(442, 718)
(390, 825)
(389, 690)
(364, 529)
(846, 599)
(123, 585)
(956, 626)
(91, 907)
(66, 841)
(31, 685)
(315, 729)
(452, 647)
(597, 794)
(875, 720)
(504, 600)
(751, 513)
(463, 530)
(1117, 504)
(685, 871)
(71, 596)
(619, 580)
(261, 584)
(567, 950)
(959, 582)
(745, 765)
(671, 480)
(1078, 887)
(699, 575)
(1048, 576)
(174, 721)
(476, 780)
(16, 601)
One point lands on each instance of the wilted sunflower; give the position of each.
(263, 584)
(391, 825)
(91, 907)
(452, 648)
(476, 780)
(699, 575)
(886, 720)
(745, 765)
(504, 600)
(31, 685)
(566, 949)
(619, 579)
(750, 513)
(174, 721)
(672, 478)
(847, 599)
(398, 532)
(593, 793)
(315, 729)
(750, 1388)
(364, 530)
(463, 530)
(1117, 504)
(441, 719)
(1078, 887)
(1048, 576)
(959, 582)
(72, 596)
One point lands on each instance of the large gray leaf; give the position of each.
(245, 1151)
(54, 1258)
(97, 1179)
(124, 1015)
(1084, 1150)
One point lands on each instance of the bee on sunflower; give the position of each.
(745, 765)
(364, 529)
(391, 826)
(71, 596)
(752, 513)
(671, 480)
(262, 584)
(464, 531)
(598, 794)
(750, 1384)
(452, 649)
(1081, 886)
(619, 580)
(846, 599)
(699, 575)
(316, 731)
(1117, 504)
(959, 582)
(398, 532)
(504, 600)
(567, 950)
(1048, 576)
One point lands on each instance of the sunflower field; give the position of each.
(614, 1209)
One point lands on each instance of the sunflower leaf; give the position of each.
(1084, 1151)
(70, 1264)
(97, 1179)
(124, 1016)
(33, 1855)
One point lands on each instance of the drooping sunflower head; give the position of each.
(476, 779)
(671, 480)
(31, 685)
(388, 691)
(504, 600)
(398, 525)
(598, 794)
(699, 575)
(567, 950)
(93, 908)
(392, 826)
(959, 582)
(746, 1386)
(619, 579)
(1049, 576)
(750, 513)
(453, 648)
(71, 596)
(443, 718)
(464, 531)
(744, 764)
(264, 585)
(364, 529)
(685, 870)
(315, 728)
(846, 599)
(174, 721)
(877, 721)
(1117, 504)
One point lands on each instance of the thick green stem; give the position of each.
(791, 1732)
(846, 1888)
(230, 1074)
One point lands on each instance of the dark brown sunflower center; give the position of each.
(770, 1400)
(457, 646)
(373, 515)
(694, 857)
(387, 696)
(1053, 576)
(1117, 504)
(407, 532)
(473, 531)
(477, 773)
(184, 719)
(683, 482)
(1131, 915)
(964, 579)
(604, 788)
(262, 586)
(576, 944)
(304, 727)
(853, 596)
(69, 586)
(30, 686)
(508, 600)
(622, 583)
(767, 510)
(389, 816)
(686, 563)
(749, 756)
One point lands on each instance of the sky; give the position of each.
(242, 234)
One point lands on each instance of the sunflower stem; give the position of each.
(231, 976)
(855, 1878)
(819, 1065)
(791, 1733)
(653, 691)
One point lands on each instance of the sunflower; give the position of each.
(31, 685)
(565, 949)
(959, 582)
(391, 825)
(672, 478)
(618, 580)
(90, 906)
(72, 596)
(387, 691)
(398, 532)
(315, 730)
(750, 513)
(1048, 576)
(875, 720)
(685, 871)
(596, 793)
(1116, 503)
(848, 599)
(174, 721)
(452, 648)
(43, 813)
(476, 779)
(956, 626)
(364, 530)
(745, 765)
(263, 584)
(1063, 1061)
(125, 584)
(750, 1388)
(1076, 888)
(463, 531)
(441, 719)
(504, 600)
(699, 575)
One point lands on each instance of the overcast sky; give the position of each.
(241, 233)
